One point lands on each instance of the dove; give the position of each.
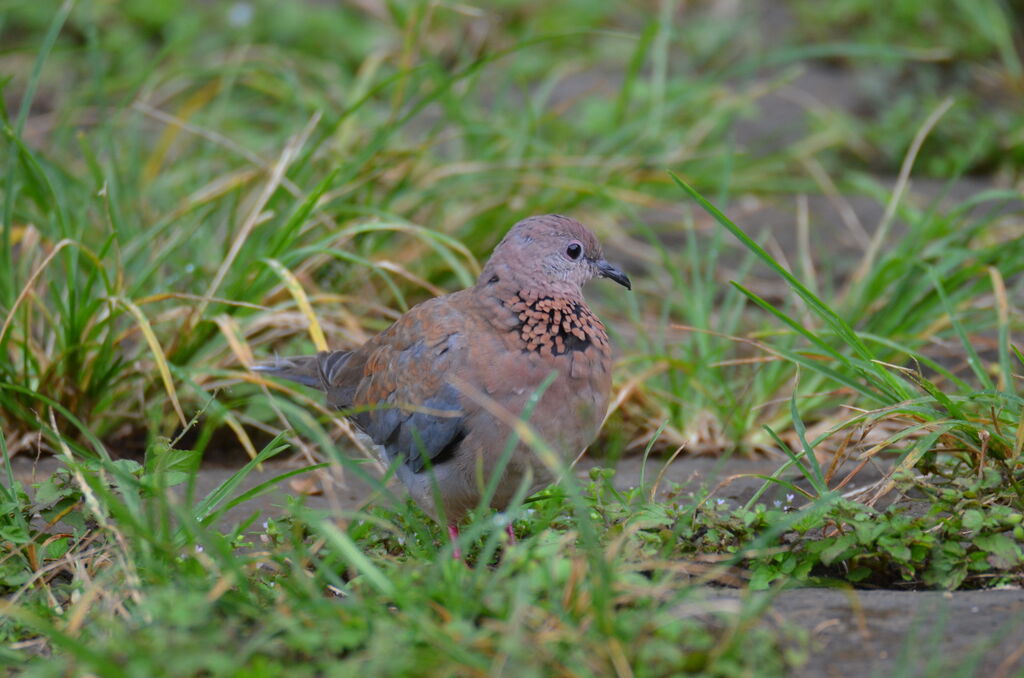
(440, 388)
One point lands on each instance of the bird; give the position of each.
(431, 389)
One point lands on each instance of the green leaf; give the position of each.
(918, 552)
(954, 549)
(204, 510)
(348, 550)
(803, 569)
(161, 457)
(762, 577)
(15, 533)
(868, 531)
(972, 519)
(840, 327)
(128, 466)
(12, 574)
(1003, 552)
(858, 574)
(50, 490)
(57, 548)
(896, 549)
(650, 517)
(838, 549)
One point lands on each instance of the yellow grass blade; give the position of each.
(1018, 443)
(1003, 311)
(194, 103)
(218, 188)
(252, 219)
(316, 333)
(158, 355)
(233, 334)
(242, 436)
(31, 281)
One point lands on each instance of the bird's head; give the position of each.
(549, 252)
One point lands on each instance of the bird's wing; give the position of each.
(395, 385)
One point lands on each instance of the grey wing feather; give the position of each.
(430, 433)
(401, 400)
(411, 409)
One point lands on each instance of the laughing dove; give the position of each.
(426, 389)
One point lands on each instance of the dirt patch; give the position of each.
(905, 633)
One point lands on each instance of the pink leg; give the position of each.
(511, 534)
(453, 535)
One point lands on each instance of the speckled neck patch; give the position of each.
(555, 326)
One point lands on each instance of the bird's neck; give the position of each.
(550, 320)
(502, 283)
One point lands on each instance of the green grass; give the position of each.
(186, 189)
(316, 595)
(967, 50)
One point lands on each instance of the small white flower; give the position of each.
(719, 501)
(777, 503)
(790, 498)
(266, 524)
(240, 14)
(199, 548)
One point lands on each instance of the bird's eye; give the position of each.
(574, 250)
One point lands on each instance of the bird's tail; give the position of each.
(314, 371)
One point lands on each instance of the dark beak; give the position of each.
(608, 271)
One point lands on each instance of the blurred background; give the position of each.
(190, 186)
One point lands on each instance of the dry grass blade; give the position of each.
(411, 277)
(27, 289)
(314, 405)
(661, 473)
(1003, 313)
(233, 335)
(1018, 443)
(192, 105)
(158, 355)
(882, 232)
(153, 298)
(243, 438)
(294, 287)
(180, 124)
(216, 189)
(288, 155)
(840, 203)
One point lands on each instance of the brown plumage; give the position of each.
(410, 388)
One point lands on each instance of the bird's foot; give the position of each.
(453, 535)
